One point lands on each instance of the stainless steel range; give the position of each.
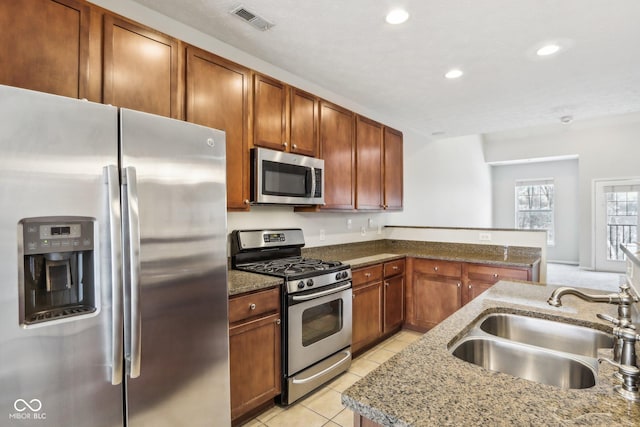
(316, 306)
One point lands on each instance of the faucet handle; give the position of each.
(616, 322)
(608, 318)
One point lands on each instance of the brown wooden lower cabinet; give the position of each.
(367, 314)
(378, 303)
(254, 351)
(360, 421)
(438, 288)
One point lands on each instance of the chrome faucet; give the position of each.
(628, 370)
(624, 353)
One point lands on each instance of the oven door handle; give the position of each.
(320, 294)
(324, 371)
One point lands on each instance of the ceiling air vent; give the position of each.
(251, 18)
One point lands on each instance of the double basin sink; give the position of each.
(545, 351)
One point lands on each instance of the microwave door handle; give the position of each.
(132, 243)
(115, 270)
(312, 179)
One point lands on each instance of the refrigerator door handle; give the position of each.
(132, 247)
(115, 270)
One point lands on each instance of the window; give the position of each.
(534, 206)
(622, 218)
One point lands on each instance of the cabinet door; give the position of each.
(217, 93)
(254, 357)
(368, 164)
(435, 299)
(338, 151)
(303, 123)
(269, 113)
(480, 277)
(140, 68)
(367, 315)
(393, 169)
(393, 303)
(474, 289)
(44, 46)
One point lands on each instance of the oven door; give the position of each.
(319, 325)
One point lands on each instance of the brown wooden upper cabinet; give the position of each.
(217, 95)
(369, 163)
(44, 46)
(393, 169)
(284, 118)
(337, 148)
(140, 68)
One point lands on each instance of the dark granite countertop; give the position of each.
(425, 385)
(363, 254)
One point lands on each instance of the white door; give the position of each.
(616, 221)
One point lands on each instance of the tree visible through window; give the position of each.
(534, 206)
(622, 219)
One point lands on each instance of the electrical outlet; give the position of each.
(363, 231)
(379, 229)
(349, 224)
(484, 237)
(371, 223)
(322, 236)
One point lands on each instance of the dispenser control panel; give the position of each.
(44, 237)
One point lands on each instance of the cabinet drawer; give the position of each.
(367, 275)
(492, 273)
(256, 304)
(393, 268)
(438, 267)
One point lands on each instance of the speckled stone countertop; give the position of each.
(363, 254)
(425, 385)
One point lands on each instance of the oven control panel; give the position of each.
(273, 237)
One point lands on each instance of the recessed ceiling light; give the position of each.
(454, 74)
(565, 120)
(547, 50)
(397, 16)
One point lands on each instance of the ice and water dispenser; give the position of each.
(57, 272)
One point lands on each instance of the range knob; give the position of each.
(338, 276)
(345, 274)
(310, 282)
(301, 284)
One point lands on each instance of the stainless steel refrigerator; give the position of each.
(113, 294)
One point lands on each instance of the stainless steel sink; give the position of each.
(545, 351)
(547, 334)
(530, 363)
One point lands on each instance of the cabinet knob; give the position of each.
(353, 296)
(284, 144)
(395, 267)
(367, 274)
(386, 284)
(294, 146)
(277, 321)
(469, 286)
(245, 201)
(495, 274)
(252, 306)
(435, 268)
(459, 285)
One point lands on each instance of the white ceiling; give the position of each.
(346, 47)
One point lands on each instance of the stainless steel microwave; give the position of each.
(285, 178)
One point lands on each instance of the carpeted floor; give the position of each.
(572, 275)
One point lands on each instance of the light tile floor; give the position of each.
(323, 407)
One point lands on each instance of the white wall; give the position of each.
(566, 212)
(447, 183)
(608, 147)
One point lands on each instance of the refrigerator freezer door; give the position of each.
(54, 152)
(179, 171)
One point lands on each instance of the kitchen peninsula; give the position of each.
(425, 385)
